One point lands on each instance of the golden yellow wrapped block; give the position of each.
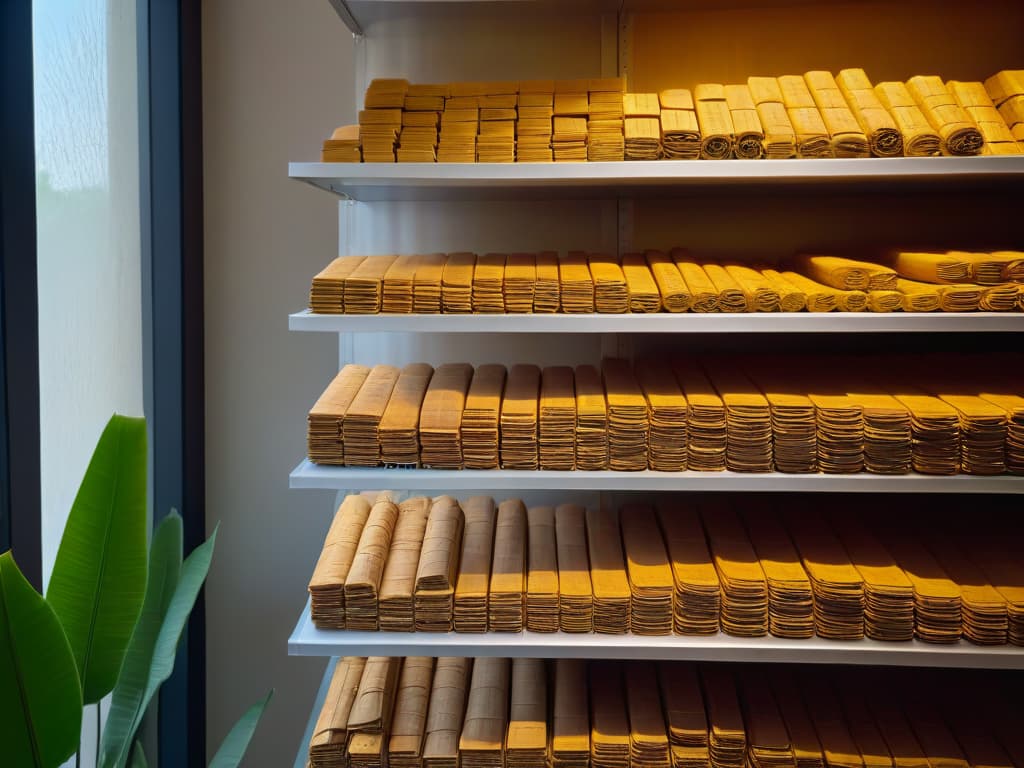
(715, 119)
(779, 135)
(680, 130)
(919, 138)
(960, 136)
(812, 138)
(884, 137)
(848, 140)
(343, 146)
(749, 135)
(846, 274)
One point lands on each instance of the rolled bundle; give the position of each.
(812, 138)
(884, 137)
(715, 121)
(642, 126)
(919, 297)
(1013, 266)
(1006, 89)
(975, 101)
(749, 135)
(999, 298)
(825, 298)
(680, 131)
(704, 294)
(847, 274)
(848, 140)
(731, 297)
(959, 134)
(611, 293)
(885, 301)
(919, 139)
(644, 295)
(675, 296)
(927, 267)
(995, 268)
(791, 298)
(779, 137)
(760, 293)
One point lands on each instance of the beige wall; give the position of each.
(277, 77)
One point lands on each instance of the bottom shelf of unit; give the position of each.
(307, 640)
(302, 756)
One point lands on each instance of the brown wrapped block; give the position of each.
(325, 423)
(327, 585)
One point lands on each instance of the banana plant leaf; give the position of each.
(40, 694)
(232, 749)
(138, 757)
(170, 597)
(99, 576)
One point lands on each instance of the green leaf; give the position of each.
(40, 696)
(232, 750)
(150, 657)
(138, 756)
(99, 577)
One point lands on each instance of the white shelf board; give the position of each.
(302, 756)
(778, 322)
(374, 182)
(307, 640)
(310, 475)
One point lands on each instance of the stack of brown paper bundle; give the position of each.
(812, 138)
(702, 291)
(959, 134)
(405, 745)
(838, 587)
(421, 117)
(362, 420)
(605, 137)
(327, 748)
(791, 298)
(824, 298)
(547, 288)
(847, 274)
(1006, 89)
(768, 741)
(697, 599)
(386, 93)
(570, 719)
(496, 142)
(744, 586)
(794, 428)
(327, 585)
(397, 583)
(887, 431)
(675, 295)
(982, 431)
(884, 137)
(569, 139)
(1001, 565)
(441, 416)
(706, 429)
(644, 296)
(488, 283)
(716, 128)
(474, 577)
(445, 712)
(919, 138)
(533, 124)
(507, 595)
(427, 283)
(611, 295)
(748, 419)
(457, 283)
(459, 128)
(950, 267)
(399, 282)
(728, 740)
(937, 603)
(848, 140)
(343, 146)
(920, 297)
(790, 597)
(518, 419)
(433, 598)
(997, 267)
(680, 131)
(1001, 394)
(591, 419)
(526, 743)
(575, 592)
(934, 432)
(758, 291)
(480, 415)
(557, 417)
(840, 427)
(541, 571)
(749, 135)
(627, 417)
(482, 743)
(609, 720)
(576, 284)
(648, 741)
(378, 134)
(802, 735)
(975, 101)
(326, 419)
(607, 572)
(364, 577)
(642, 126)
(684, 715)
(650, 577)
(983, 608)
(667, 412)
(837, 744)
(370, 718)
(327, 292)
(399, 425)
(731, 297)
(779, 136)
(520, 282)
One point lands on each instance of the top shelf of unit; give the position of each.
(377, 182)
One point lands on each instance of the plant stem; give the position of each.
(99, 712)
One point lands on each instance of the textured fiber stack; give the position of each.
(649, 572)
(697, 599)
(744, 586)
(324, 436)
(518, 420)
(728, 741)
(364, 287)
(445, 712)
(642, 126)
(748, 419)
(557, 417)
(648, 739)
(779, 136)
(526, 742)
(608, 573)
(427, 283)
(343, 146)
(370, 718)
(480, 416)
(846, 274)
(541, 570)
(570, 720)
(441, 416)
(758, 291)
(327, 292)
(605, 123)
(707, 425)
(848, 140)
(399, 285)
(439, 560)
(575, 591)
(520, 282)
(472, 584)
(489, 284)
(667, 414)
(591, 419)
(506, 600)
(702, 291)
(715, 119)
(812, 137)
(883, 135)
(327, 748)
(790, 595)
(731, 297)
(959, 134)
(611, 294)
(975, 101)
(457, 283)
(675, 295)
(609, 718)
(919, 138)
(680, 130)
(749, 135)
(360, 430)
(769, 744)
(398, 582)
(327, 585)
(363, 581)
(576, 284)
(378, 134)
(627, 417)
(794, 426)
(408, 724)
(685, 717)
(482, 743)
(791, 298)
(644, 296)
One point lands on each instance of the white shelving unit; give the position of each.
(754, 208)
